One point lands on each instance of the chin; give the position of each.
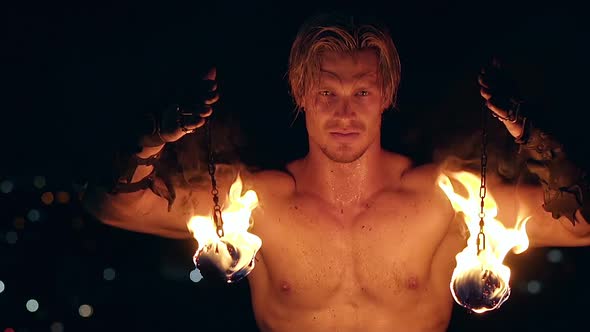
(344, 157)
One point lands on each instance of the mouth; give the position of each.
(344, 136)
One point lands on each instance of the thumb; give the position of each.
(538, 169)
(211, 74)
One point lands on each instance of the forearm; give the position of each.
(140, 211)
(565, 183)
(516, 203)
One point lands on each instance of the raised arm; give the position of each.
(148, 197)
(560, 204)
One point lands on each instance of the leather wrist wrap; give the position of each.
(161, 188)
(565, 185)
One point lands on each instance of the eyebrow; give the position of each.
(357, 76)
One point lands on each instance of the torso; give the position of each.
(381, 265)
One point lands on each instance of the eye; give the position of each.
(325, 93)
(363, 93)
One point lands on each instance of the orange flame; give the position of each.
(233, 254)
(481, 282)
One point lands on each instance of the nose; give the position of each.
(345, 110)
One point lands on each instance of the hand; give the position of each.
(501, 98)
(190, 111)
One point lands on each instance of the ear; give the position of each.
(303, 104)
(384, 105)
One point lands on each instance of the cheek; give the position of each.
(370, 103)
(313, 121)
(323, 105)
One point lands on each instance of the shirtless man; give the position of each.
(355, 238)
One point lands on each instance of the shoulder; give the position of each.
(270, 183)
(426, 175)
(409, 174)
(425, 180)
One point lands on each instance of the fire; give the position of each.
(233, 254)
(481, 282)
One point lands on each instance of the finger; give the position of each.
(212, 98)
(481, 79)
(189, 127)
(208, 111)
(495, 106)
(200, 123)
(210, 78)
(211, 74)
(208, 85)
(485, 93)
(196, 125)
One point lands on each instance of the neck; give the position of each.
(344, 184)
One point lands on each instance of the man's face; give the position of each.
(343, 112)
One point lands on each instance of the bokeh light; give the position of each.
(34, 215)
(9, 329)
(39, 182)
(1, 286)
(19, 222)
(196, 275)
(62, 197)
(85, 310)
(47, 198)
(555, 256)
(534, 287)
(109, 274)
(11, 237)
(32, 305)
(6, 186)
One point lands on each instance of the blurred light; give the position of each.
(47, 198)
(11, 237)
(32, 305)
(6, 186)
(62, 197)
(534, 287)
(555, 256)
(19, 222)
(109, 274)
(196, 275)
(39, 182)
(85, 310)
(9, 329)
(57, 327)
(1, 286)
(33, 215)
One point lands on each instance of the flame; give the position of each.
(232, 255)
(481, 282)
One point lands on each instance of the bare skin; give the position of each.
(354, 238)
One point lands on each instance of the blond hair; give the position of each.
(340, 33)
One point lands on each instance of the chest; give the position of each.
(377, 250)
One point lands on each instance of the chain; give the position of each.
(216, 208)
(481, 237)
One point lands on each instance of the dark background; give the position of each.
(78, 74)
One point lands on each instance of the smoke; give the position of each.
(463, 151)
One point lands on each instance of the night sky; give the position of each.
(77, 76)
